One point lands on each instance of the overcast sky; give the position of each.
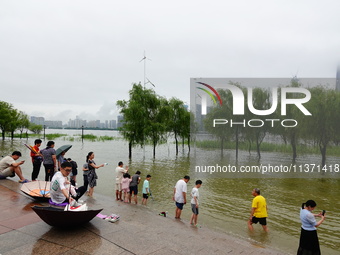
(59, 59)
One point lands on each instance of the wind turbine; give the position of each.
(144, 59)
(145, 78)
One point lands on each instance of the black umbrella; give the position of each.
(62, 148)
(59, 218)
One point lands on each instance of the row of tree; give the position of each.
(321, 129)
(152, 119)
(12, 120)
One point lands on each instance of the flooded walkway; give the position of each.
(139, 231)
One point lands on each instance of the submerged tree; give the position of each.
(324, 125)
(291, 135)
(157, 119)
(214, 121)
(179, 121)
(134, 112)
(23, 122)
(149, 118)
(36, 129)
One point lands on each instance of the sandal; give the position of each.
(24, 181)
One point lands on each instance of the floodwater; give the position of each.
(225, 198)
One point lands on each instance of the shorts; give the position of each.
(7, 172)
(134, 189)
(126, 190)
(146, 196)
(180, 205)
(119, 186)
(74, 172)
(194, 209)
(263, 221)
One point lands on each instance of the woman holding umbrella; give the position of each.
(92, 176)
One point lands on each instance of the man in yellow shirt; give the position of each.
(258, 211)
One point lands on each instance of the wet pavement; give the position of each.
(139, 231)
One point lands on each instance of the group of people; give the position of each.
(180, 199)
(127, 185)
(62, 191)
(57, 170)
(309, 242)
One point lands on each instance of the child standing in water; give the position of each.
(194, 203)
(146, 189)
(125, 186)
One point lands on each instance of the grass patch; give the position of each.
(54, 136)
(268, 147)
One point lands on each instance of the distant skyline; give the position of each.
(67, 58)
(76, 122)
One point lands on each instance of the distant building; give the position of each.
(38, 120)
(112, 124)
(53, 123)
(120, 121)
(97, 124)
(77, 123)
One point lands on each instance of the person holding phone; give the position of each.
(309, 241)
(9, 167)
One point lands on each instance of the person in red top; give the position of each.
(36, 159)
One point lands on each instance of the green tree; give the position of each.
(36, 129)
(222, 130)
(188, 119)
(323, 126)
(157, 119)
(255, 132)
(13, 122)
(178, 121)
(290, 135)
(135, 113)
(5, 117)
(23, 123)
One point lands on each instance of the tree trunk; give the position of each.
(130, 150)
(189, 143)
(293, 143)
(258, 144)
(222, 145)
(154, 149)
(176, 143)
(323, 149)
(236, 138)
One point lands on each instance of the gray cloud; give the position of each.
(69, 58)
